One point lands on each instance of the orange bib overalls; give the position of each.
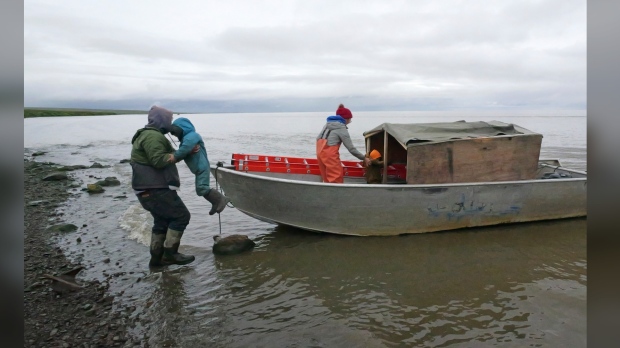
(329, 160)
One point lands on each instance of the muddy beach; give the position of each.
(57, 315)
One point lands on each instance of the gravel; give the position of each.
(55, 317)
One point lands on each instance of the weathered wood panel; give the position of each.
(474, 160)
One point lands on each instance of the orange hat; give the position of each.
(374, 154)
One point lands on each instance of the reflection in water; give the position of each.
(515, 283)
(165, 308)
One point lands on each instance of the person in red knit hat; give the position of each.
(334, 133)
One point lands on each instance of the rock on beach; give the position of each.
(109, 181)
(56, 176)
(98, 165)
(94, 188)
(63, 228)
(71, 168)
(233, 244)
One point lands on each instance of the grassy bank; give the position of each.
(44, 112)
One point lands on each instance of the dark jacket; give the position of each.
(149, 154)
(374, 172)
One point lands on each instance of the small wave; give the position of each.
(137, 222)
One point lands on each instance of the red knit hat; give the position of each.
(344, 112)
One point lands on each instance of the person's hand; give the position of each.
(195, 149)
(171, 158)
(366, 161)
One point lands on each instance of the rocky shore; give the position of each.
(60, 311)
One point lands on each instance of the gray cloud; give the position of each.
(529, 54)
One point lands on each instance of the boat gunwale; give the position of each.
(345, 185)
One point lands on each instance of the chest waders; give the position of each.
(329, 160)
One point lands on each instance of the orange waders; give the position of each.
(329, 162)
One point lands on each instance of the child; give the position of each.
(198, 163)
(375, 168)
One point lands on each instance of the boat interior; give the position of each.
(548, 169)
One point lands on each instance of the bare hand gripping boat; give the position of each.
(437, 177)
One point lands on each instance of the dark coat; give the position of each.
(374, 172)
(149, 153)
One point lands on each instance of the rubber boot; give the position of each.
(171, 249)
(218, 201)
(156, 249)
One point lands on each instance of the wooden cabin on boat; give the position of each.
(457, 152)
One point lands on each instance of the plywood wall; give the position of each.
(474, 160)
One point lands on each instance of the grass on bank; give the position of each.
(44, 112)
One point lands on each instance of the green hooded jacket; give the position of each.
(149, 154)
(150, 147)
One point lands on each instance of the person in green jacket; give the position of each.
(155, 181)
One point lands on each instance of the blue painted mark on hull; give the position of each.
(461, 209)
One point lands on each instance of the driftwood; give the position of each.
(65, 281)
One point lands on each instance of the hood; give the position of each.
(335, 125)
(336, 119)
(336, 122)
(185, 124)
(160, 118)
(138, 132)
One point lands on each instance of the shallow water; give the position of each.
(511, 285)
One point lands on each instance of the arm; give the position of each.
(186, 147)
(346, 140)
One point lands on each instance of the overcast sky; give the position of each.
(290, 55)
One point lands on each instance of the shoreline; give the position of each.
(59, 316)
(66, 112)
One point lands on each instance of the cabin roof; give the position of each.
(410, 134)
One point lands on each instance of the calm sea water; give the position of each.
(510, 286)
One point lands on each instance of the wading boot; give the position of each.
(218, 201)
(157, 249)
(171, 249)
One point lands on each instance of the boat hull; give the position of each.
(393, 209)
